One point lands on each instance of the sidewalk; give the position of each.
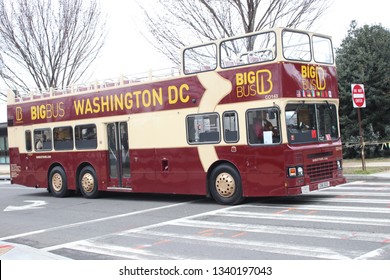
(381, 176)
(4, 172)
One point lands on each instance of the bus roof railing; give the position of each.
(15, 96)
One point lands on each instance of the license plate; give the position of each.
(323, 185)
(305, 189)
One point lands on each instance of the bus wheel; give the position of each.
(88, 182)
(58, 184)
(225, 185)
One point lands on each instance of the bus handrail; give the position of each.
(122, 80)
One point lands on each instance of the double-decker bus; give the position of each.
(248, 116)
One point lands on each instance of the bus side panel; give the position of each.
(21, 171)
(180, 171)
(74, 160)
(32, 169)
(142, 170)
(173, 171)
(261, 168)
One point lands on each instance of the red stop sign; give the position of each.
(358, 96)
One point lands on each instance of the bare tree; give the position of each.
(174, 24)
(49, 43)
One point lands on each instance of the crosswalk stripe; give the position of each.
(340, 191)
(121, 251)
(310, 218)
(349, 200)
(286, 230)
(261, 246)
(324, 208)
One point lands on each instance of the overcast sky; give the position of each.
(127, 52)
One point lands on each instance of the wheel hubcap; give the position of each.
(87, 182)
(225, 185)
(56, 182)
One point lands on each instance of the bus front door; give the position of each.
(119, 160)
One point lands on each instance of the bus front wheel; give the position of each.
(225, 185)
(58, 183)
(88, 182)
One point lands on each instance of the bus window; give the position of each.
(327, 122)
(28, 139)
(322, 50)
(203, 128)
(296, 46)
(308, 123)
(63, 138)
(42, 139)
(247, 50)
(200, 59)
(85, 136)
(230, 127)
(263, 126)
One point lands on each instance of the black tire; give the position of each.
(88, 182)
(225, 185)
(58, 182)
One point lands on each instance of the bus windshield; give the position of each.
(307, 123)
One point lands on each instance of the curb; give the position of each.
(373, 177)
(5, 177)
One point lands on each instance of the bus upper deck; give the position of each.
(279, 45)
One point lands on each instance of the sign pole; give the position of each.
(361, 141)
(359, 101)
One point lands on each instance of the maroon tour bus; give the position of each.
(248, 116)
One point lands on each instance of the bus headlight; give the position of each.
(296, 171)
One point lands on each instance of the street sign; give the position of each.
(359, 101)
(358, 96)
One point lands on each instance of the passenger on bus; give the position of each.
(39, 144)
(261, 124)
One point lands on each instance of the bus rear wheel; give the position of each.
(58, 183)
(88, 182)
(225, 185)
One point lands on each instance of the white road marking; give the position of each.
(337, 192)
(94, 221)
(375, 254)
(32, 205)
(311, 218)
(96, 247)
(310, 213)
(143, 227)
(261, 246)
(329, 208)
(286, 230)
(350, 200)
